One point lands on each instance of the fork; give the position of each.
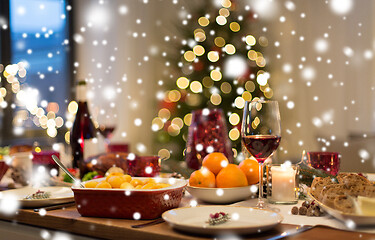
(153, 222)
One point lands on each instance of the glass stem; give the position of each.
(260, 198)
(261, 181)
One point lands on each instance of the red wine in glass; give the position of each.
(261, 146)
(106, 131)
(260, 134)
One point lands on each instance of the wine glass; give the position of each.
(107, 123)
(261, 134)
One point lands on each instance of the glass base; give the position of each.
(270, 200)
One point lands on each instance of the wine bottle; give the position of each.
(83, 131)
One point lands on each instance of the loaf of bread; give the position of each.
(331, 192)
(344, 204)
(341, 195)
(352, 179)
(369, 191)
(318, 184)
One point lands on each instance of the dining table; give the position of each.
(67, 220)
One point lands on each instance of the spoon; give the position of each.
(62, 166)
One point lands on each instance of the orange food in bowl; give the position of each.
(103, 184)
(115, 181)
(123, 181)
(215, 162)
(202, 178)
(113, 174)
(136, 182)
(231, 176)
(91, 184)
(126, 178)
(126, 185)
(251, 169)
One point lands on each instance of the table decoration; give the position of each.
(218, 218)
(310, 209)
(307, 173)
(282, 183)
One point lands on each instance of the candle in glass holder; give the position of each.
(283, 183)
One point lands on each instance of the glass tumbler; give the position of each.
(327, 161)
(207, 133)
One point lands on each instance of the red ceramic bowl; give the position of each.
(3, 169)
(130, 204)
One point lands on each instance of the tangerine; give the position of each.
(202, 178)
(251, 169)
(231, 176)
(215, 162)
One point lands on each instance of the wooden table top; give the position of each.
(69, 220)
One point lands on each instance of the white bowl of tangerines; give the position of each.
(219, 181)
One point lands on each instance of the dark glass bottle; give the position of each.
(83, 130)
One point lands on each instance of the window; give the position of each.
(39, 33)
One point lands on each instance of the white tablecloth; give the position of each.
(285, 211)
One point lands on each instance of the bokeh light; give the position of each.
(213, 56)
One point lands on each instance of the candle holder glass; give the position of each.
(282, 183)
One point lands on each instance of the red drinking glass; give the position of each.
(118, 147)
(327, 161)
(144, 166)
(44, 158)
(207, 133)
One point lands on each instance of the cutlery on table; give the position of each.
(62, 166)
(290, 232)
(153, 222)
(54, 207)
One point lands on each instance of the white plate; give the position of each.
(358, 220)
(59, 195)
(221, 195)
(243, 220)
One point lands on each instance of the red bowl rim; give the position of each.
(176, 184)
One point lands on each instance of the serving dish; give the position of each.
(59, 195)
(351, 220)
(243, 220)
(130, 204)
(222, 195)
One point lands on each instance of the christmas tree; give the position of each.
(219, 66)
